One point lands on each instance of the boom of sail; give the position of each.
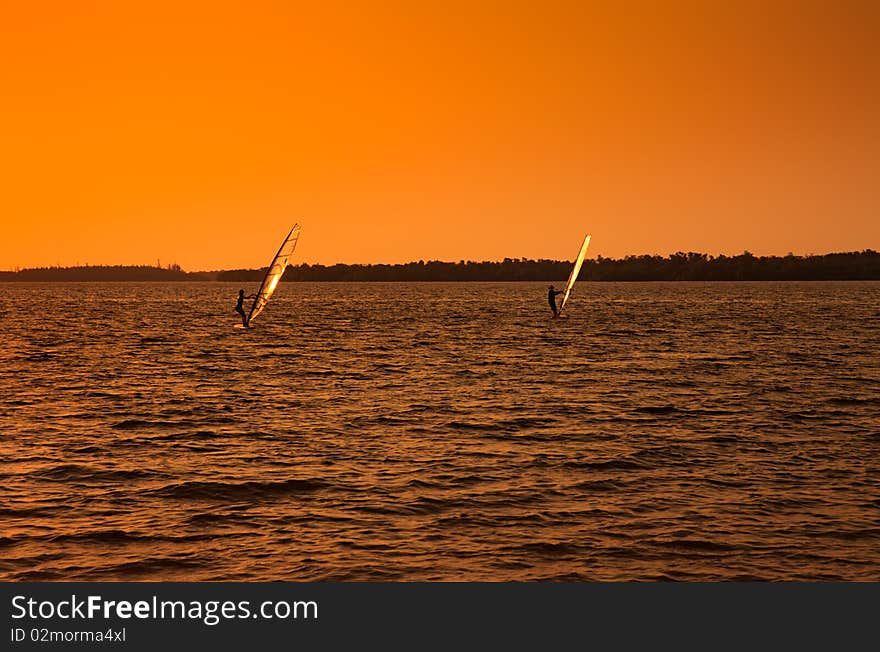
(574, 272)
(274, 273)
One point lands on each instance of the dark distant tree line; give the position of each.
(860, 265)
(172, 272)
(507, 270)
(864, 265)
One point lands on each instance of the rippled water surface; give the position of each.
(426, 431)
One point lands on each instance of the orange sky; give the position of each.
(197, 133)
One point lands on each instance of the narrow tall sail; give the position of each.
(274, 273)
(574, 272)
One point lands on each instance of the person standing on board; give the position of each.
(239, 307)
(551, 299)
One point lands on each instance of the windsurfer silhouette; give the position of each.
(239, 307)
(551, 299)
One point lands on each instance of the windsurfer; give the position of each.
(239, 307)
(551, 299)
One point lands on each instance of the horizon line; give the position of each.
(178, 267)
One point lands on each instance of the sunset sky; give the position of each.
(199, 132)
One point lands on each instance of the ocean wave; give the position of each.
(251, 490)
(151, 566)
(657, 409)
(68, 473)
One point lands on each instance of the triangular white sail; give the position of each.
(274, 273)
(574, 272)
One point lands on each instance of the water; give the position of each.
(430, 431)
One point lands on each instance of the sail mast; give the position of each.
(274, 272)
(575, 271)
